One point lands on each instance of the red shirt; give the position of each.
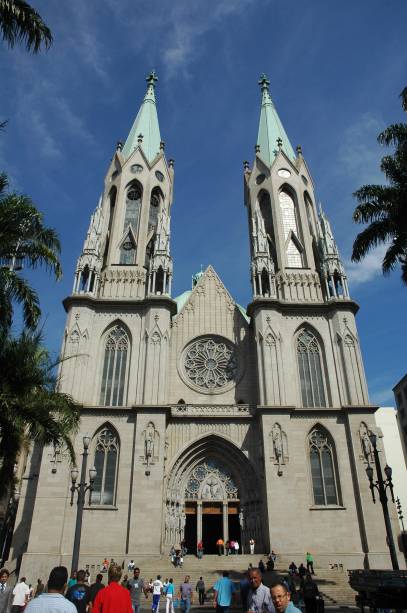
(113, 599)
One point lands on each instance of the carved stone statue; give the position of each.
(151, 440)
(279, 447)
(212, 490)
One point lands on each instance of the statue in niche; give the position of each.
(212, 490)
(182, 522)
(151, 440)
(279, 447)
(366, 445)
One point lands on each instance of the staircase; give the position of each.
(333, 584)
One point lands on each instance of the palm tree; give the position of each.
(30, 408)
(24, 241)
(384, 207)
(19, 22)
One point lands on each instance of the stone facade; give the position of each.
(206, 419)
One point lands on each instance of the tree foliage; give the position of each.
(19, 22)
(30, 408)
(384, 207)
(24, 242)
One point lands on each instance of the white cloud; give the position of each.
(359, 154)
(366, 270)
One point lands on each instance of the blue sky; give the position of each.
(336, 70)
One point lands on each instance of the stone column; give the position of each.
(225, 521)
(199, 520)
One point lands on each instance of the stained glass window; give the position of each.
(310, 370)
(288, 214)
(106, 464)
(131, 219)
(323, 472)
(114, 367)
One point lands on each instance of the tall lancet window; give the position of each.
(154, 209)
(290, 227)
(117, 348)
(323, 467)
(131, 220)
(106, 464)
(310, 369)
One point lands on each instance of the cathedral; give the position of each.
(207, 419)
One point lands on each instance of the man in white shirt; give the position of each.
(21, 593)
(157, 591)
(237, 547)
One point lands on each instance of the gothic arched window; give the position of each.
(323, 467)
(310, 370)
(131, 219)
(291, 233)
(112, 204)
(106, 464)
(154, 209)
(117, 347)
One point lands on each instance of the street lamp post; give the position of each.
(8, 526)
(403, 534)
(381, 485)
(81, 488)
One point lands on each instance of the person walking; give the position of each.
(157, 591)
(136, 587)
(200, 588)
(40, 587)
(310, 563)
(200, 549)
(259, 597)
(223, 591)
(169, 594)
(310, 593)
(186, 595)
(244, 590)
(237, 547)
(52, 601)
(78, 594)
(281, 598)
(95, 588)
(220, 545)
(6, 592)
(252, 543)
(21, 593)
(113, 598)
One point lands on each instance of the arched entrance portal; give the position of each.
(212, 492)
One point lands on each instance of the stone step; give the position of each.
(333, 584)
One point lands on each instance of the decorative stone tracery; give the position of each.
(210, 363)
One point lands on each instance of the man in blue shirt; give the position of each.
(282, 599)
(53, 601)
(223, 593)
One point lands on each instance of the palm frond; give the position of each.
(394, 254)
(393, 135)
(19, 22)
(403, 97)
(377, 232)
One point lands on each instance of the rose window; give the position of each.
(210, 363)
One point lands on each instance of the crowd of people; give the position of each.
(128, 594)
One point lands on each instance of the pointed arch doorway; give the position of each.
(212, 493)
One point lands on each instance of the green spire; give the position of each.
(272, 135)
(145, 131)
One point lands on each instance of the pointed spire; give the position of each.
(271, 136)
(145, 132)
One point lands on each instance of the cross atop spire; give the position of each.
(271, 130)
(146, 124)
(152, 78)
(264, 82)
